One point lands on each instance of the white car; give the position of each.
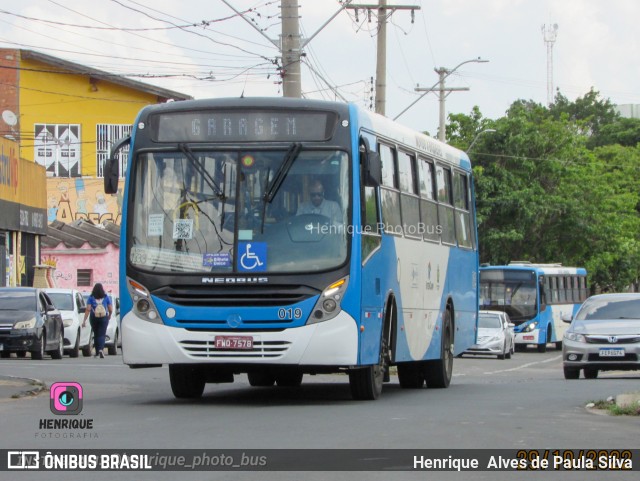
(112, 339)
(495, 335)
(71, 305)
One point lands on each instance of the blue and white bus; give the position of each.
(279, 237)
(536, 297)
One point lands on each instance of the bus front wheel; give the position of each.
(187, 381)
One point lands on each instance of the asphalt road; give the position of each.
(522, 403)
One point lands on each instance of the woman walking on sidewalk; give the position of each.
(99, 308)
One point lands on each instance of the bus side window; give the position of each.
(543, 285)
(554, 290)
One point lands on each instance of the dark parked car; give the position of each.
(29, 322)
(604, 336)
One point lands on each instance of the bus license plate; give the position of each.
(233, 342)
(611, 352)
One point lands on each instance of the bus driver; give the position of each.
(321, 206)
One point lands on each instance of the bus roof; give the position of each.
(547, 269)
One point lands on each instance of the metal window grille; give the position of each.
(107, 135)
(84, 277)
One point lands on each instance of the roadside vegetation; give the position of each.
(558, 183)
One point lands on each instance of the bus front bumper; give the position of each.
(329, 343)
(527, 337)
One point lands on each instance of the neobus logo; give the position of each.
(235, 280)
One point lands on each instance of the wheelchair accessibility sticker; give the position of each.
(252, 256)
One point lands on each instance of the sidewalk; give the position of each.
(16, 387)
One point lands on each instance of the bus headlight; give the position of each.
(531, 326)
(142, 303)
(328, 304)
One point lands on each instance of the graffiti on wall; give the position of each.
(70, 199)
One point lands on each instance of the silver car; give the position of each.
(495, 335)
(604, 336)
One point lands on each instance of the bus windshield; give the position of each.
(221, 211)
(514, 292)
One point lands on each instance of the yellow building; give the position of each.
(64, 117)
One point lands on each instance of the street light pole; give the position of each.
(443, 73)
(476, 138)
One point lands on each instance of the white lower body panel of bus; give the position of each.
(527, 337)
(329, 343)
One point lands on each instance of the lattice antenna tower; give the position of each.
(550, 32)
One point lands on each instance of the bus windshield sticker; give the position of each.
(183, 229)
(252, 256)
(216, 259)
(245, 234)
(155, 225)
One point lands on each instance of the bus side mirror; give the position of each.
(111, 169)
(372, 165)
(111, 175)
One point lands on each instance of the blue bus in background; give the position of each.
(280, 237)
(536, 297)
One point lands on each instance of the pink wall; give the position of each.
(102, 262)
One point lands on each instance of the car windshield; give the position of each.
(239, 211)
(62, 301)
(17, 301)
(608, 308)
(489, 321)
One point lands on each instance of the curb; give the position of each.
(38, 387)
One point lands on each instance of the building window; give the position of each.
(107, 135)
(84, 277)
(57, 148)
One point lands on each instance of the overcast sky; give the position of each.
(597, 45)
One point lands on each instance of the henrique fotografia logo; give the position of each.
(65, 398)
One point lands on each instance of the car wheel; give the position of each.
(86, 350)
(571, 372)
(21, 354)
(5, 354)
(113, 349)
(59, 351)
(39, 354)
(75, 350)
(590, 373)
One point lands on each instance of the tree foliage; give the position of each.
(557, 184)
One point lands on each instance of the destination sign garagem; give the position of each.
(242, 126)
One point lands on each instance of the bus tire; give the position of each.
(366, 382)
(438, 373)
(410, 375)
(187, 381)
(261, 378)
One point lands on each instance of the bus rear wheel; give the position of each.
(187, 381)
(438, 373)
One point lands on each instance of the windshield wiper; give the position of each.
(289, 157)
(184, 148)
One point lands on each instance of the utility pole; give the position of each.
(291, 50)
(550, 34)
(443, 73)
(384, 12)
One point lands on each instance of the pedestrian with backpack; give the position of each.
(99, 310)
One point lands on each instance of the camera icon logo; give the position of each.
(65, 398)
